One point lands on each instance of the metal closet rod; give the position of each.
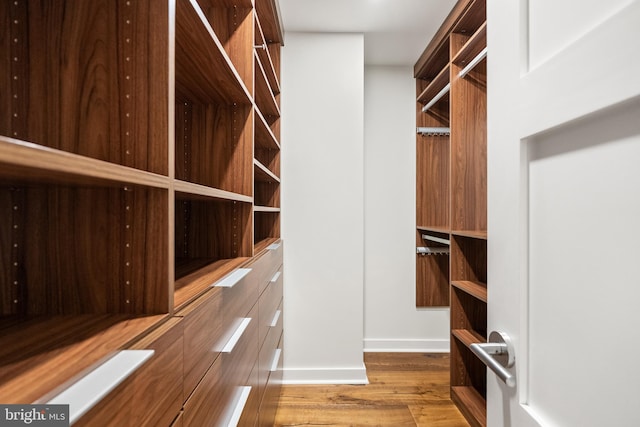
(433, 131)
(436, 239)
(436, 98)
(428, 250)
(475, 61)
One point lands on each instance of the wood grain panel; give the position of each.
(271, 395)
(264, 95)
(202, 335)
(60, 232)
(269, 302)
(234, 28)
(83, 71)
(269, 15)
(210, 400)
(39, 356)
(266, 225)
(468, 312)
(268, 157)
(472, 405)
(432, 181)
(267, 193)
(432, 281)
(468, 259)
(469, 150)
(264, 136)
(268, 352)
(249, 415)
(214, 145)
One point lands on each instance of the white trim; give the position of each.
(231, 279)
(407, 345)
(355, 376)
(85, 393)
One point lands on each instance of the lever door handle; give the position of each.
(498, 355)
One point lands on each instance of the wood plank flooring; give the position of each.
(405, 389)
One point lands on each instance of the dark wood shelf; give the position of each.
(472, 405)
(40, 354)
(265, 58)
(264, 136)
(190, 286)
(191, 191)
(475, 289)
(472, 47)
(263, 174)
(468, 337)
(434, 229)
(435, 86)
(474, 234)
(25, 162)
(269, 15)
(265, 99)
(204, 71)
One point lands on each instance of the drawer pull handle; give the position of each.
(228, 348)
(275, 319)
(275, 277)
(276, 360)
(230, 280)
(240, 404)
(273, 246)
(93, 387)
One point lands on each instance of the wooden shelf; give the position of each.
(474, 234)
(435, 86)
(264, 96)
(204, 71)
(26, 162)
(263, 244)
(40, 355)
(265, 209)
(476, 289)
(265, 58)
(473, 47)
(264, 136)
(472, 405)
(193, 191)
(434, 229)
(269, 14)
(194, 284)
(468, 337)
(263, 174)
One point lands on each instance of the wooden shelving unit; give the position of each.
(139, 167)
(452, 192)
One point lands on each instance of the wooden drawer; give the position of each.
(213, 401)
(178, 422)
(249, 416)
(152, 395)
(203, 333)
(268, 352)
(269, 405)
(268, 305)
(267, 263)
(239, 295)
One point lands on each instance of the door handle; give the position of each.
(498, 355)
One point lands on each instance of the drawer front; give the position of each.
(178, 421)
(267, 263)
(250, 410)
(269, 404)
(269, 302)
(203, 333)
(238, 297)
(210, 400)
(268, 352)
(238, 358)
(152, 395)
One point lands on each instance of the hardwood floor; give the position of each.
(405, 389)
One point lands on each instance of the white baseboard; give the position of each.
(406, 345)
(356, 376)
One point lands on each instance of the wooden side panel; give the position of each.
(214, 145)
(432, 199)
(84, 79)
(469, 150)
(468, 259)
(432, 281)
(85, 250)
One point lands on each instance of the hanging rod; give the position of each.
(434, 131)
(427, 250)
(479, 57)
(436, 239)
(436, 98)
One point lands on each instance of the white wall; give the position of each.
(391, 320)
(322, 203)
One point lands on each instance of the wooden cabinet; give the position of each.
(451, 148)
(139, 168)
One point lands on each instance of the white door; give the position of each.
(564, 210)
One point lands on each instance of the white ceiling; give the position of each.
(395, 31)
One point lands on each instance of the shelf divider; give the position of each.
(476, 289)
